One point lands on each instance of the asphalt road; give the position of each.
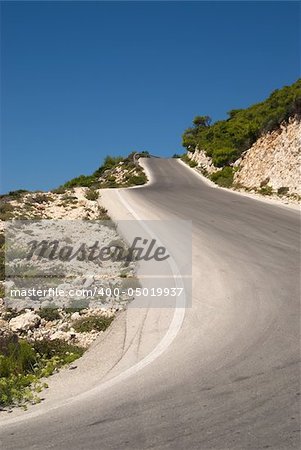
(231, 377)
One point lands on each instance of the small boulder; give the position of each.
(75, 316)
(25, 322)
(62, 335)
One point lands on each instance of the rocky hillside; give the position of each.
(256, 149)
(39, 334)
(115, 172)
(272, 165)
(225, 140)
(273, 161)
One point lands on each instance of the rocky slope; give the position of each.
(204, 162)
(271, 166)
(58, 329)
(274, 160)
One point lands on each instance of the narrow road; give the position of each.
(231, 377)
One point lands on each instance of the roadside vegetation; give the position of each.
(24, 364)
(25, 361)
(188, 161)
(114, 172)
(224, 177)
(225, 140)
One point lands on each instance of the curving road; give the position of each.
(230, 379)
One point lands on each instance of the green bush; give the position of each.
(266, 190)
(65, 352)
(81, 181)
(40, 198)
(2, 260)
(23, 364)
(59, 190)
(14, 195)
(6, 211)
(104, 176)
(49, 314)
(188, 161)
(102, 213)
(109, 163)
(87, 324)
(137, 180)
(223, 177)
(225, 140)
(92, 194)
(17, 357)
(283, 190)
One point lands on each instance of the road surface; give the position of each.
(230, 379)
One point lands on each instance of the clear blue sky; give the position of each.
(81, 80)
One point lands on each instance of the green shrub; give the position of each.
(283, 190)
(6, 211)
(2, 262)
(20, 389)
(109, 163)
(266, 190)
(67, 198)
(14, 195)
(40, 198)
(104, 175)
(102, 213)
(87, 324)
(23, 364)
(17, 357)
(59, 190)
(66, 353)
(137, 180)
(49, 314)
(188, 161)
(92, 194)
(223, 177)
(225, 140)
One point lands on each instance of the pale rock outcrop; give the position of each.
(203, 161)
(273, 160)
(24, 322)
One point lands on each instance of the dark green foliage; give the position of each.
(92, 194)
(87, 324)
(223, 177)
(6, 211)
(14, 195)
(266, 190)
(19, 357)
(59, 190)
(22, 365)
(38, 198)
(144, 154)
(109, 163)
(49, 314)
(102, 213)
(2, 257)
(283, 190)
(81, 181)
(202, 121)
(66, 352)
(225, 140)
(189, 161)
(102, 177)
(136, 180)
